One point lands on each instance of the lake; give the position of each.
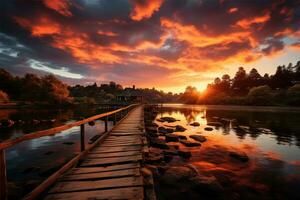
(269, 136)
(31, 162)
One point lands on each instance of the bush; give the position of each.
(293, 95)
(261, 95)
(3, 97)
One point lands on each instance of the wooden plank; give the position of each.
(110, 161)
(116, 149)
(83, 170)
(96, 185)
(130, 193)
(102, 175)
(122, 145)
(109, 155)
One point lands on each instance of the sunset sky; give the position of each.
(166, 44)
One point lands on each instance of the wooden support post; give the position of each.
(115, 118)
(105, 123)
(82, 139)
(3, 178)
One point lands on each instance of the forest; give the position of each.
(279, 89)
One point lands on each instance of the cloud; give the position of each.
(143, 9)
(144, 41)
(60, 6)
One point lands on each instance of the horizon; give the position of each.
(163, 44)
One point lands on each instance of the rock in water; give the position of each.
(189, 143)
(195, 124)
(198, 138)
(179, 128)
(208, 128)
(158, 143)
(182, 137)
(164, 130)
(168, 119)
(171, 137)
(241, 156)
(151, 129)
(184, 154)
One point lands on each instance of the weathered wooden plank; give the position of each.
(110, 161)
(83, 170)
(117, 154)
(96, 185)
(121, 145)
(130, 193)
(116, 149)
(102, 175)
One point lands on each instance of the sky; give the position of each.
(166, 44)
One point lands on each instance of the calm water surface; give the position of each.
(269, 136)
(30, 162)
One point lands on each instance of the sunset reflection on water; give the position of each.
(269, 138)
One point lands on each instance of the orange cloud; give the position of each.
(191, 34)
(60, 6)
(246, 23)
(44, 26)
(107, 33)
(233, 10)
(144, 9)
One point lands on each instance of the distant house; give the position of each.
(130, 95)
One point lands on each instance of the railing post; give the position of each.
(3, 178)
(82, 139)
(115, 119)
(105, 123)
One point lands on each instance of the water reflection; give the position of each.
(269, 137)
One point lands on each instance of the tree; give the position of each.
(31, 88)
(293, 95)
(240, 82)
(54, 90)
(261, 95)
(3, 97)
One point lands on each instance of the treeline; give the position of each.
(31, 88)
(50, 90)
(281, 88)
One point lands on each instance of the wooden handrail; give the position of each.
(52, 131)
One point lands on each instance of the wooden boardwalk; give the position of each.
(112, 169)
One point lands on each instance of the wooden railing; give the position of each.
(83, 150)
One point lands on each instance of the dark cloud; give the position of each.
(129, 40)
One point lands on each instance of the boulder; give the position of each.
(208, 129)
(195, 124)
(151, 129)
(206, 183)
(173, 152)
(158, 143)
(152, 134)
(179, 128)
(171, 137)
(176, 174)
(182, 137)
(241, 156)
(198, 138)
(164, 130)
(189, 143)
(184, 154)
(167, 119)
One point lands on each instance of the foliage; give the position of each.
(3, 97)
(260, 95)
(293, 95)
